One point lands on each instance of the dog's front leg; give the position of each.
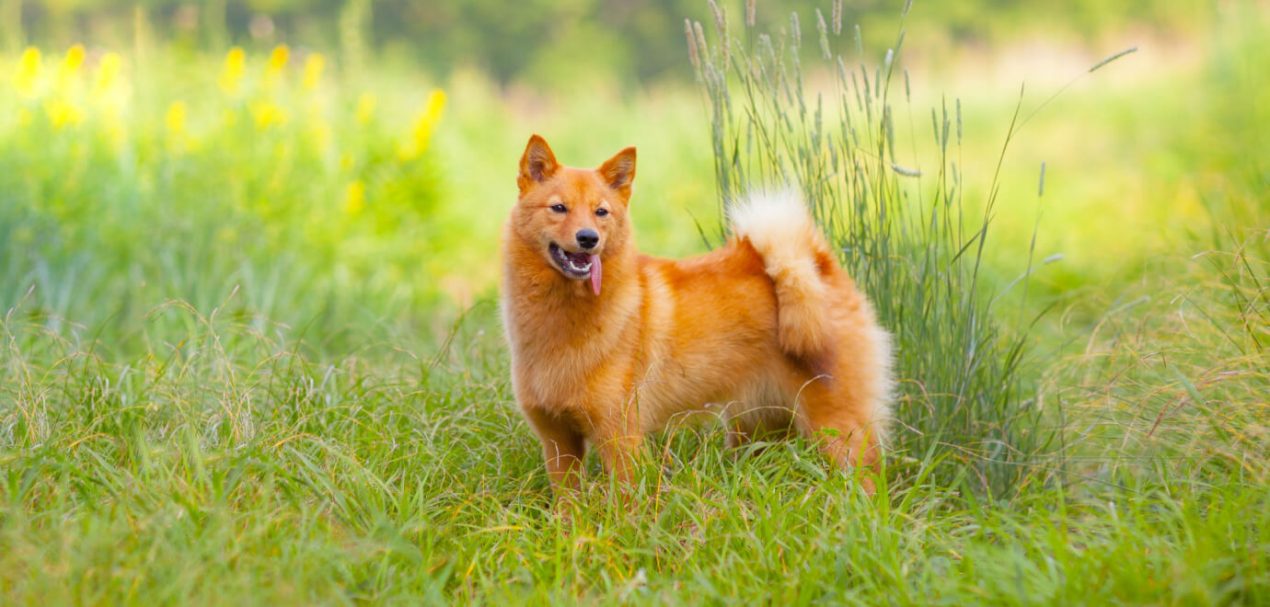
(619, 454)
(562, 449)
(618, 440)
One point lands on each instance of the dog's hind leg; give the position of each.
(828, 414)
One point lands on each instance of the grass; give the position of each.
(232, 468)
(179, 424)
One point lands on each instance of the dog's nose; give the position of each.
(588, 238)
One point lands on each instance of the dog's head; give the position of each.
(574, 218)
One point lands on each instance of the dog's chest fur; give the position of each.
(564, 344)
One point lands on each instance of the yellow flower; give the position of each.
(231, 74)
(62, 114)
(424, 125)
(28, 72)
(74, 59)
(174, 119)
(277, 62)
(365, 108)
(107, 72)
(268, 114)
(313, 67)
(436, 104)
(355, 197)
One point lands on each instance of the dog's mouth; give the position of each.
(578, 266)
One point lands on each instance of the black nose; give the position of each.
(587, 238)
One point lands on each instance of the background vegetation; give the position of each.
(248, 351)
(527, 42)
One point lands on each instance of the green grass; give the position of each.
(300, 416)
(231, 469)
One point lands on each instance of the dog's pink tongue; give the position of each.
(596, 272)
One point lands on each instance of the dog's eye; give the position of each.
(559, 208)
(601, 212)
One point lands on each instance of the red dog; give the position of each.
(609, 344)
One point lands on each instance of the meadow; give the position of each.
(250, 348)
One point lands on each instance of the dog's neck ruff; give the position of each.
(545, 307)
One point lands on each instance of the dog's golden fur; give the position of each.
(767, 331)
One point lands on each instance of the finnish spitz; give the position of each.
(768, 332)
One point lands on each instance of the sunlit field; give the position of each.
(250, 349)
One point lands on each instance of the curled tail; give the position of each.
(798, 259)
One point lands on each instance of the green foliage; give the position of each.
(531, 40)
(259, 188)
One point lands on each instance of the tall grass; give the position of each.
(1173, 382)
(900, 230)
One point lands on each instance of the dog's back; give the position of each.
(769, 329)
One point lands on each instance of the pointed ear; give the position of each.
(619, 172)
(537, 165)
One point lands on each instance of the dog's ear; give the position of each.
(537, 165)
(619, 172)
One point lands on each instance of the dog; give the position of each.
(767, 332)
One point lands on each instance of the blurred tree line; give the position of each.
(638, 40)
